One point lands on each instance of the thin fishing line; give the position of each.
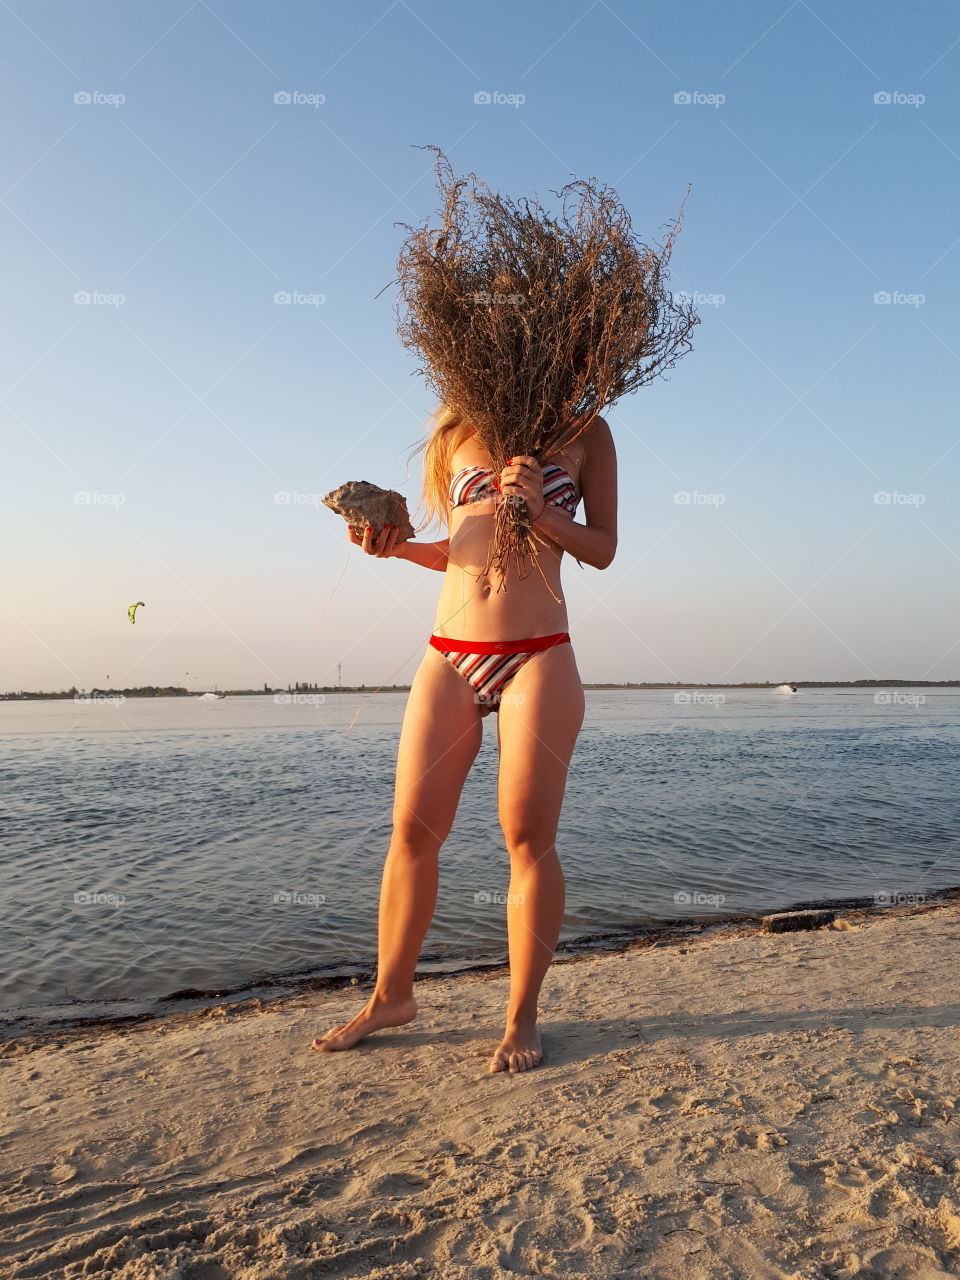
(316, 626)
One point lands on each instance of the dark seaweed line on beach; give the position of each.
(22, 1032)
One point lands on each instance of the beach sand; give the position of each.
(740, 1105)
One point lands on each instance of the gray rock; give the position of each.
(361, 503)
(790, 921)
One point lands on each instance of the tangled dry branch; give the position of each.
(531, 325)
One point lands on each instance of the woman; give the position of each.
(534, 687)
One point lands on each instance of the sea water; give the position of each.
(156, 845)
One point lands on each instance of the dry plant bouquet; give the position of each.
(530, 325)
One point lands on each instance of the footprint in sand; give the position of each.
(322, 1184)
(755, 1138)
(666, 1101)
(400, 1183)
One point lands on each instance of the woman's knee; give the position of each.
(413, 837)
(526, 844)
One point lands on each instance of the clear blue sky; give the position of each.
(197, 398)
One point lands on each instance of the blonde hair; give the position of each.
(446, 431)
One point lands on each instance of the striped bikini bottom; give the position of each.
(489, 665)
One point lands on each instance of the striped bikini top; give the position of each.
(473, 484)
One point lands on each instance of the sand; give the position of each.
(743, 1105)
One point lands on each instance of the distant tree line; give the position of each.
(302, 686)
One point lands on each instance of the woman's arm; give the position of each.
(587, 543)
(596, 541)
(432, 555)
(384, 545)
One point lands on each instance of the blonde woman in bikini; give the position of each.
(502, 651)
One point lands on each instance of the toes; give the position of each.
(326, 1042)
(334, 1031)
(515, 1060)
(523, 1059)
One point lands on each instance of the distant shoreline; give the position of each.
(173, 691)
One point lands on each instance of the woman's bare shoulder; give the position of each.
(469, 453)
(598, 438)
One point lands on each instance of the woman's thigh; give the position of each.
(439, 741)
(540, 715)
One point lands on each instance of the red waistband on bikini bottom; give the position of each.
(532, 645)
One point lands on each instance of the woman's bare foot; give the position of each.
(378, 1013)
(520, 1049)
